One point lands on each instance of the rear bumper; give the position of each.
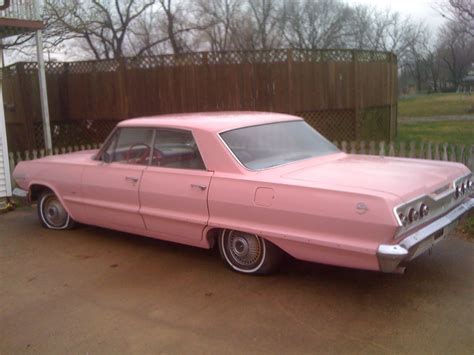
(391, 257)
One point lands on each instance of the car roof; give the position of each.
(209, 121)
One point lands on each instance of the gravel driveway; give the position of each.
(97, 291)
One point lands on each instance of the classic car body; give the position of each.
(200, 178)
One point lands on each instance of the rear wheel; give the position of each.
(248, 253)
(51, 212)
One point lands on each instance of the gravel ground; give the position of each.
(95, 291)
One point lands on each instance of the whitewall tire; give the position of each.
(248, 253)
(52, 213)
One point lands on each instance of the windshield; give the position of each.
(268, 145)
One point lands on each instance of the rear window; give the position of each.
(269, 145)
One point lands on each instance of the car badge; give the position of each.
(361, 208)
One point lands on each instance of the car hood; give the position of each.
(71, 158)
(404, 178)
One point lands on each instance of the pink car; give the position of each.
(256, 184)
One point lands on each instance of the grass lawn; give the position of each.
(435, 105)
(455, 132)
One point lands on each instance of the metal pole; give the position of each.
(43, 92)
(42, 83)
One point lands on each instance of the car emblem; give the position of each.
(361, 208)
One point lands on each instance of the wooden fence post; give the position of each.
(356, 94)
(344, 146)
(445, 152)
(452, 156)
(429, 153)
(11, 158)
(289, 59)
(391, 150)
(402, 152)
(353, 147)
(382, 149)
(437, 156)
(421, 152)
(371, 148)
(412, 151)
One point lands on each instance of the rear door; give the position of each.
(174, 188)
(110, 185)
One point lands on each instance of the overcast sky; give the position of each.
(418, 9)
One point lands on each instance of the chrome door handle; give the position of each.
(197, 186)
(132, 179)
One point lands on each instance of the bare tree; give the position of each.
(433, 65)
(459, 12)
(385, 31)
(456, 50)
(218, 17)
(175, 26)
(259, 25)
(104, 25)
(313, 24)
(108, 29)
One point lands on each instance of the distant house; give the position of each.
(468, 81)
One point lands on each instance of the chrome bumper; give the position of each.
(21, 195)
(391, 256)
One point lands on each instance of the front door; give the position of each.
(174, 188)
(110, 184)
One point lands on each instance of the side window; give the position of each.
(176, 149)
(130, 146)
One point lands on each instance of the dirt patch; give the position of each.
(138, 295)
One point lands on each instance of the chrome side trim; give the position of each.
(391, 256)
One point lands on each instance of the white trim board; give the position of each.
(6, 187)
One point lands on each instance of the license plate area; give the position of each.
(429, 242)
(438, 234)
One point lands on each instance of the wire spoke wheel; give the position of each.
(52, 213)
(248, 253)
(245, 250)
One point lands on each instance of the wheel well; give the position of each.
(36, 191)
(212, 235)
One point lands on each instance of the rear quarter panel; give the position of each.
(309, 223)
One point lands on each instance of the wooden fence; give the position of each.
(419, 150)
(345, 94)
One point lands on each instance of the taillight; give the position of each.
(413, 215)
(424, 210)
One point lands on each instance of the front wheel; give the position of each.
(248, 253)
(52, 214)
